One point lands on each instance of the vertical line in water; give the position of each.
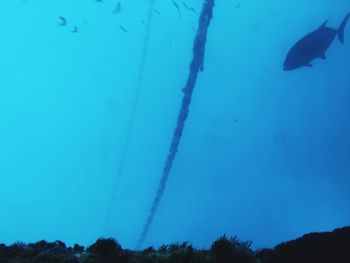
(130, 126)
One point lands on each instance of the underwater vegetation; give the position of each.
(326, 247)
(231, 250)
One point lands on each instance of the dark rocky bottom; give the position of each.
(330, 247)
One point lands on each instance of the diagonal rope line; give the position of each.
(195, 66)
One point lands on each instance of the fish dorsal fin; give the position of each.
(323, 24)
(342, 27)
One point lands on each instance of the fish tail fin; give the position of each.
(342, 28)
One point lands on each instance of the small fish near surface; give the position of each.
(123, 29)
(63, 21)
(117, 8)
(75, 29)
(313, 45)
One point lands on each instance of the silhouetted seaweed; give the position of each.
(163, 249)
(327, 247)
(170, 253)
(266, 255)
(107, 250)
(78, 249)
(231, 250)
(183, 252)
(316, 247)
(148, 250)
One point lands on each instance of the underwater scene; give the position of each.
(140, 123)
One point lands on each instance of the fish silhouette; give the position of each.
(314, 45)
(177, 8)
(124, 29)
(75, 29)
(117, 9)
(63, 21)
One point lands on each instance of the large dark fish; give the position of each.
(313, 45)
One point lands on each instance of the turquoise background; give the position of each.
(265, 153)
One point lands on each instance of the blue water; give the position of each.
(265, 153)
